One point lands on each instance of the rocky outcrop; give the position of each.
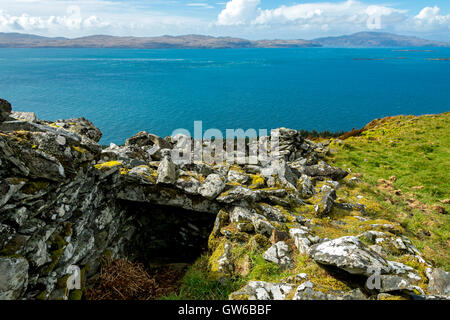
(66, 202)
(5, 110)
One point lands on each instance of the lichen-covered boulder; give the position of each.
(349, 254)
(81, 126)
(5, 110)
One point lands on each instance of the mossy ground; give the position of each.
(413, 155)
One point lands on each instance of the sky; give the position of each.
(251, 19)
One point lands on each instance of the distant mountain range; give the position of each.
(357, 40)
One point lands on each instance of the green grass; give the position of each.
(263, 270)
(416, 150)
(198, 284)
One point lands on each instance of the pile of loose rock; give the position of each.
(65, 201)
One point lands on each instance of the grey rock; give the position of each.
(237, 176)
(241, 214)
(404, 270)
(262, 226)
(212, 186)
(372, 235)
(391, 283)
(167, 172)
(13, 277)
(271, 213)
(307, 187)
(224, 262)
(303, 239)
(279, 253)
(349, 254)
(24, 116)
(439, 281)
(188, 184)
(326, 204)
(324, 170)
(238, 194)
(82, 127)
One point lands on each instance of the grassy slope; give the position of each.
(416, 151)
(413, 149)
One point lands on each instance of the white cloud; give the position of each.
(72, 20)
(319, 16)
(238, 12)
(431, 17)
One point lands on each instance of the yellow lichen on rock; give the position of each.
(107, 165)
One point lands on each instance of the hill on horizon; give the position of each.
(192, 41)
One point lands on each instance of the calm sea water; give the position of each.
(126, 91)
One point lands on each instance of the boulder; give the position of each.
(279, 253)
(324, 170)
(390, 283)
(24, 116)
(303, 239)
(212, 186)
(271, 213)
(237, 177)
(349, 254)
(238, 194)
(438, 281)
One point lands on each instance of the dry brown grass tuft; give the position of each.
(125, 280)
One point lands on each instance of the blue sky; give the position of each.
(252, 19)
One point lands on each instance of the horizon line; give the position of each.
(220, 36)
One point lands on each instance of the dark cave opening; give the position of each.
(167, 235)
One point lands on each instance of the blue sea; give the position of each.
(124, 91)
